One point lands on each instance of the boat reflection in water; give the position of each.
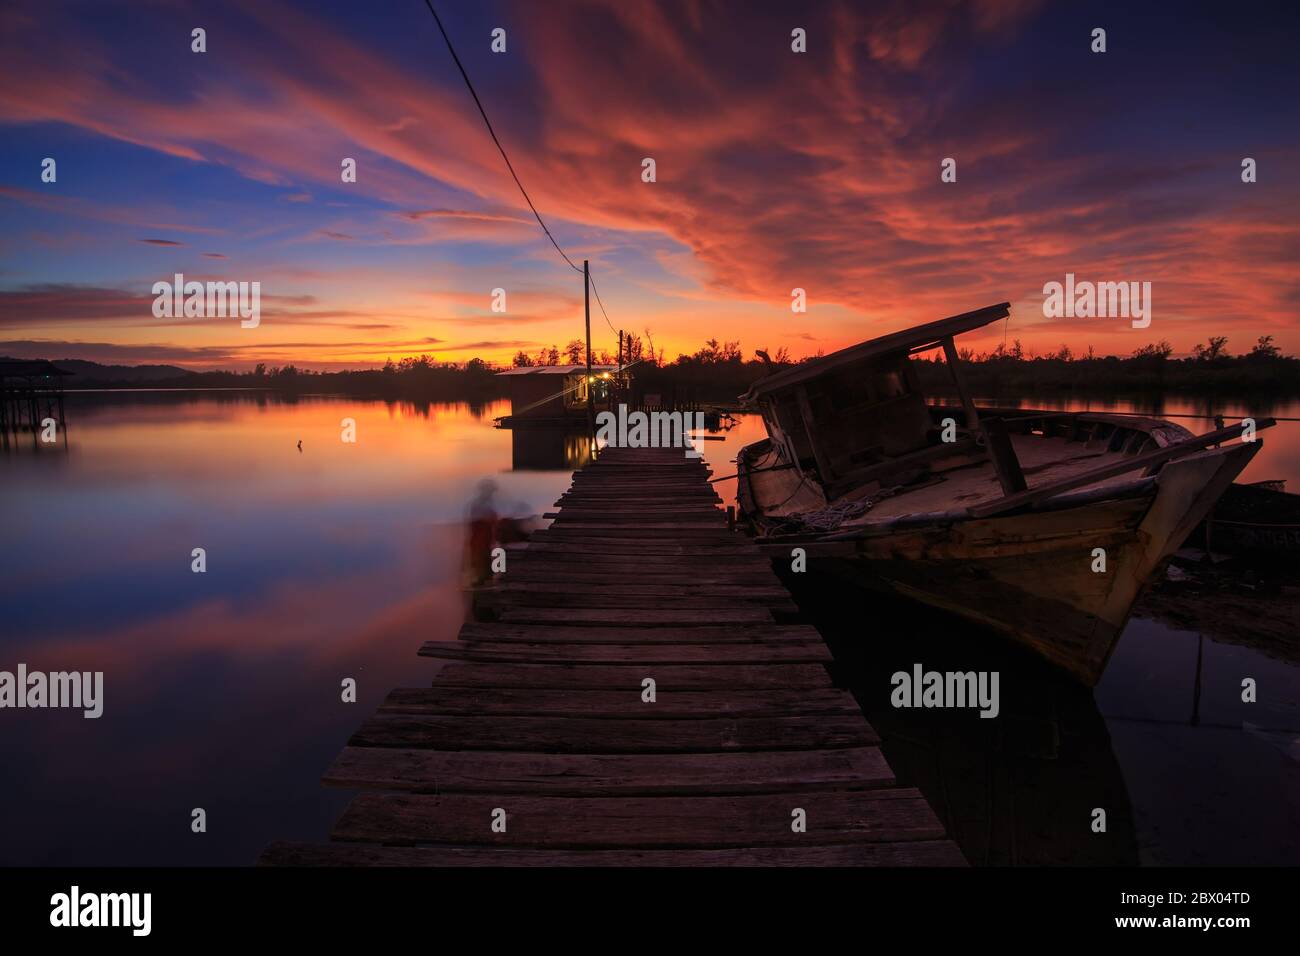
(1018, 790)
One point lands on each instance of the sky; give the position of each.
(775, 170)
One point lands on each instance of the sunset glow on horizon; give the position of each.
(775, 170)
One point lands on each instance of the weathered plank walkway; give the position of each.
(541, 712)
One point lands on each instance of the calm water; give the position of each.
(222, 690)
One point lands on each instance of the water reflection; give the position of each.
(543, 448)
(1016, 790)
(222, 689)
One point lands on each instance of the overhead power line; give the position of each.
(599, 303)
(510, 166)
(493, 133)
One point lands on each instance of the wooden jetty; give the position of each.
(541, 714)
(31, 393)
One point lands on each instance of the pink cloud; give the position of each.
(775, 169)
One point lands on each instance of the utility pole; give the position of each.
(586, 304)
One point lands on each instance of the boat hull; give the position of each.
(1036, 575)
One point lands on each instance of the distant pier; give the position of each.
(539, 743)
(31, 396)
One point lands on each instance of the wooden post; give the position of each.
(1005, 462)
(810, 429)
(967, 403)
(586, 307)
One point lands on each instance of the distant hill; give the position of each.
(90, 373)
(420, 379)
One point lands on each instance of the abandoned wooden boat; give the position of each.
(1260, 518)
(1043, 525)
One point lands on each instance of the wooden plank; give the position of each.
(641, 530)
(1005, 463)
(677, 531)
(859, 816)
(618, 704)
(702, 513)
(693, 494)
(653, 573)
(614, 498)
(666, 555)
(613, 549)
(631, 514)
(542, 633)
(881, 470)
(631, 522)
(637, 516)
(622, 507)
(713, 655)
(595, 775)
(953, 361)
(535, 571)
(676, 460)
(646, 617)
(913, 853)
(613, 598)
(697, 506)
(593, 735)
(812, 433)
(677, 489)
(619, 676)
(699, 495)
(652, 486)
(625, 566)
(640, 476)
(518, 587)
(629, 541)
(649, 484)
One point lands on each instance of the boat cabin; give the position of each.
(859, 415)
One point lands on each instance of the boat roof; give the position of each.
(558, 369)
(906, 340)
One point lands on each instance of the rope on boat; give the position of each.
(827, 519)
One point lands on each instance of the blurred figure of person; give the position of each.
(482, 535)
